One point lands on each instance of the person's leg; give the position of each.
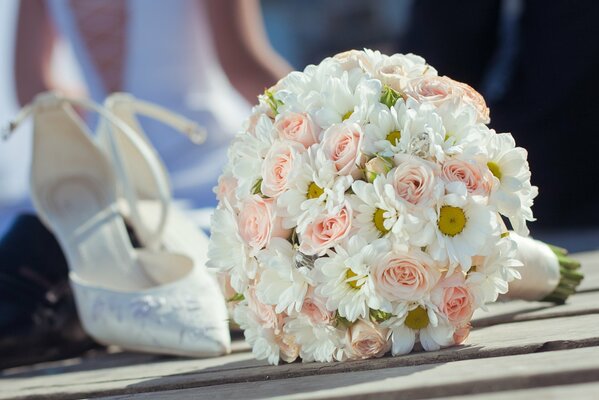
(38, 319)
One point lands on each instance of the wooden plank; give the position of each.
(415, 382)
(518, 311)
(493, 341)
(583, 391)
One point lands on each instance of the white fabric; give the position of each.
(170, 60)
(541, 271)
(15, 155)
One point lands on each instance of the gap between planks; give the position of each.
(494, 341)
(415, 382)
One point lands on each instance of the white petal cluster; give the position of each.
(362, 211)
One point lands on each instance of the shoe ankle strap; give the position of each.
(52, 99)
(196, 133)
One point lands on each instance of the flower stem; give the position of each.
(570, 276)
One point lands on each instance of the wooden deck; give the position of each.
(518, 350)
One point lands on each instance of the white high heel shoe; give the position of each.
(138, 299)
(147, 193)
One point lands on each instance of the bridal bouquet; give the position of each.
(361, 211)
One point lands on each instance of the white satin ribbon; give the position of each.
(540, 274)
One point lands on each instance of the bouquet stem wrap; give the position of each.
(548, 273)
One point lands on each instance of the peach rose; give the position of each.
(404, 276)
(297, 127)
(351, 59)
(341, 144)
(288, 348)
(476, 100)
(367, 340)
(477, 180)
(413, 179)
(314, 308)
(277, 166)
(325, 231)
(454, 299)
(227, 184)
(258, 223)
(265, 313)
(377, 166)
(399, 69)
(461, 333)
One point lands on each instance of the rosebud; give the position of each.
(376, 166)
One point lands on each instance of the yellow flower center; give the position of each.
(495, 170)
(379, 221)
(452, 220)
(314, 191)
(393, 137)
(350, 279)
(417, 318)
(347, 115)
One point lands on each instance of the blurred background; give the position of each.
(535, 62)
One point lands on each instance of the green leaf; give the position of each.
(236, 297)
(379, 316)
(342, 322)
(257, 188)
(389, 96)
(273, 103)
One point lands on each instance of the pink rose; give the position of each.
(258, 222)
(454, 299)
(413, 179)
(227, 184)
(341, 144)
(297, 127)
(277, 166)
(437, 89)
(433, 89)
(405, 276)
(367, 340)
(314, 308)
(477, 180)
(325, 231)
(265, 313)
(461, 333)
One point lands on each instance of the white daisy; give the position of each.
(491, 275)
(418, 322)
(344, 278)
(463, 134)
(379, 211)
(512, 193)
(343, 99)
(314, 186)
(464, 227)
(263, 340)
(318, 342)
(386, 133)
(227, 251)
(425, 131)
(396, 70)
(284, 282)
(247, 153)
